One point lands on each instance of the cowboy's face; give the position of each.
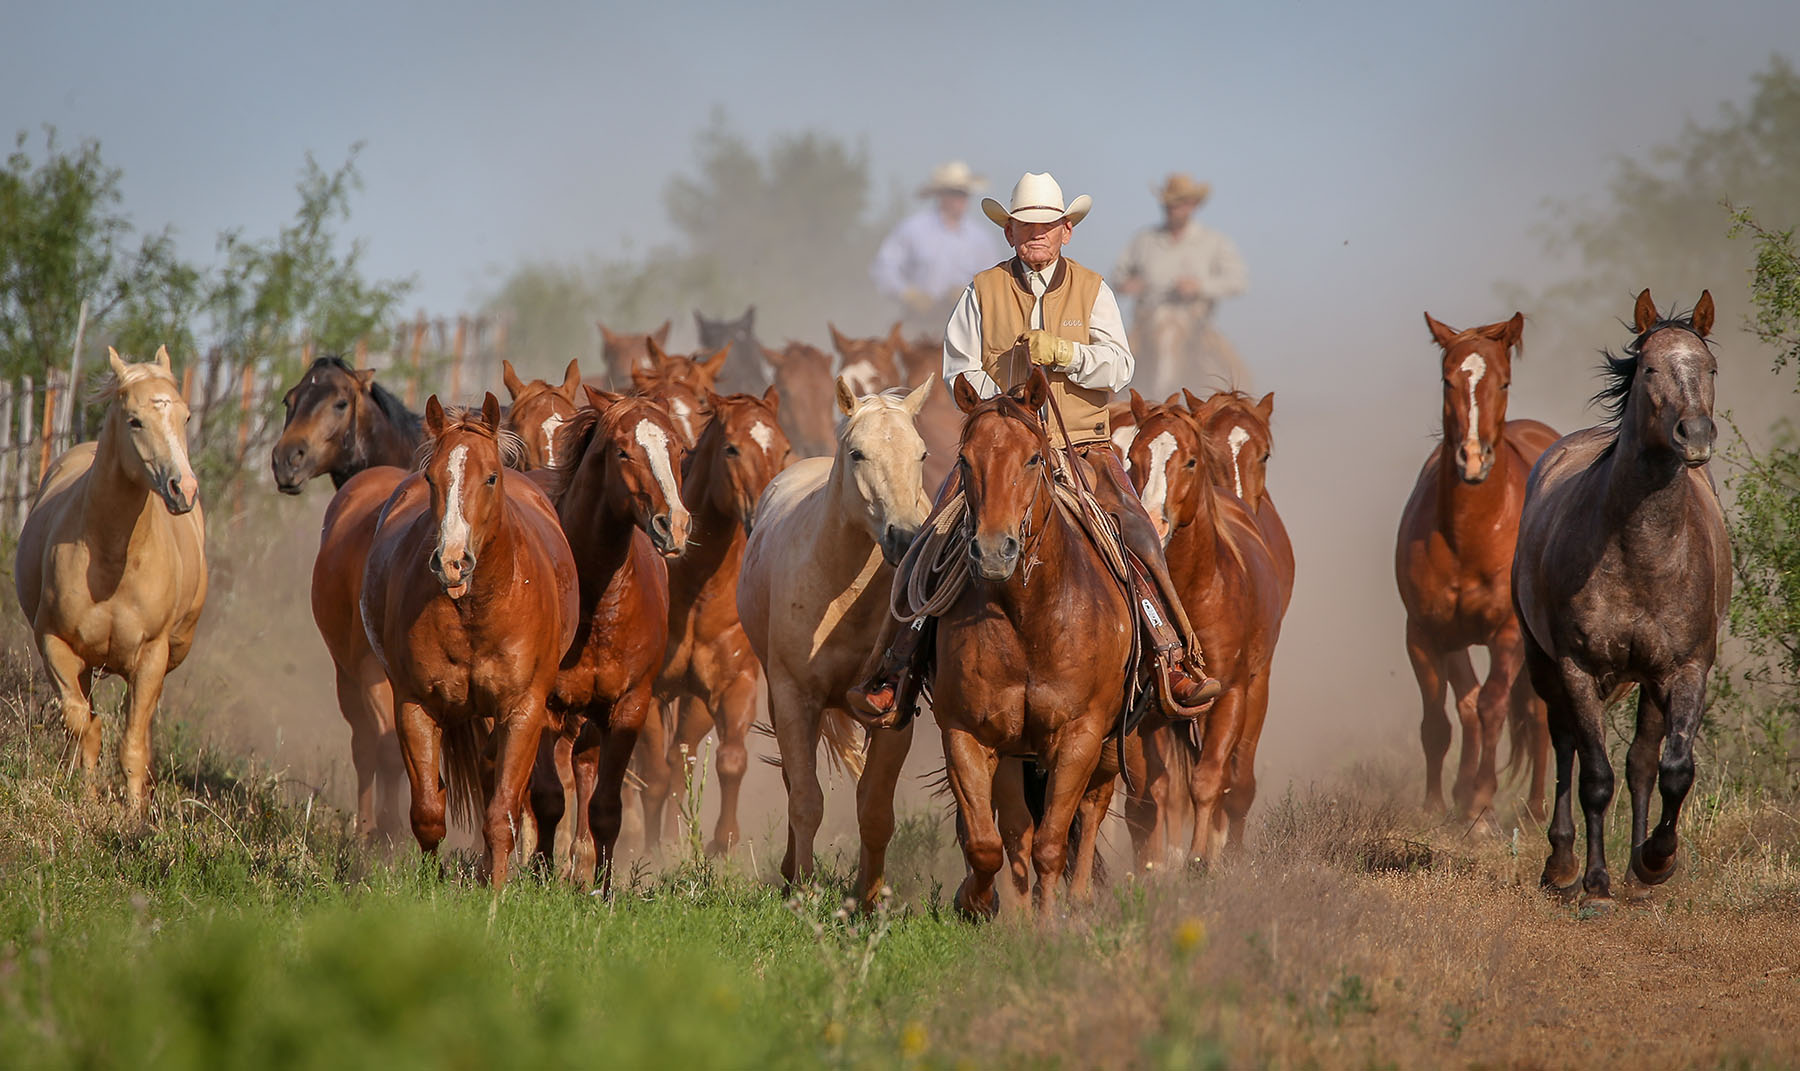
(1177, 213)
(952, 203)
(1037, 244)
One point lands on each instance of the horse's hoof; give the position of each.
(1648, 872)
(1564, 883)
(1595, 907)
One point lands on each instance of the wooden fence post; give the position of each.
(456, 361)
(7, 399)
(74, 400)
(418, 356)
(27, 400)
(248, 386)
(48, 437)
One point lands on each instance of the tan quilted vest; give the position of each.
(1005, 300)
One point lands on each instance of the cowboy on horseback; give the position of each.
(1043, 310)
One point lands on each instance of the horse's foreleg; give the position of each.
(1015, 822)
(1586, 722)
(134, 749)
(736, 712)
(1506, 659)
(884, 757)
(74, 684)
(1073, 755)
(1530, 721)
(1140, 806)
(1206, 780)
(516, 735)
(421, 747)
(797, 718)
(1465, 690)
(691, 729)
(1684, 702)
(1434, 726)
(654, 762)
(578, 767)
(1094, 805)
(970, 766)
(623, 726)
(1560, 868)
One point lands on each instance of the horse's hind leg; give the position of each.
(736, 712)
(605, 806)
(971, 767)
(1494, 701)
(654, 762)
(548, 801)
(1583, 724)
(885, 756)
(1072, 759)
(1242, 793)
(1092, 812)
(1015, 822)
(74, 684)
(1143, 806)
(1434, 727)
(1685, 701)
(1640, 767)
(516, 735)
(366, 740)
(1560, 868)
(134, 748)
(797, 718)
(1531, 740)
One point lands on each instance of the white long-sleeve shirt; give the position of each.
(1103, 364)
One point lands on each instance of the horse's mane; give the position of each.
(1007, 406)
(577, 433)
(458, 418)
(1617, 373)
(411, 424)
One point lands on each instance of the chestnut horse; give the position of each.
(538, 409)
(869, 364)
(1036, 669)
(1453, 564)
(618, 494)
(621, 353)
(709, 677)
(1622, 576)
(1231, 587)
(339, 422)
(1240, 430)
(681, 393)
(111, 564)
(803, 377)
(940, 422)
(469, 602)
(814, 588)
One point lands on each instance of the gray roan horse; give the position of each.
(1622, 574)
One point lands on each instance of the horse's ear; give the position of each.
(774, 357)
(837, 338)
(1644, 316)
(846, 398)
(915, 398)
(661, 334)
(118, 365)
(1441, 333)
(654, 349)
(749, 317)
(772, 399)
(606, 337)
(510, 379)
(967, 397)
(1175, 398)
(1515, 332)
(896, 339)
(571, 379)
(600, 399)
(1267, 407)
(364, 376)
(1194, 403)
(162, 352)
(642, 377)
(714, 364)
(1037, 389)
(490, 411)
(1703, 314)
(1140, 409)
(434, 417)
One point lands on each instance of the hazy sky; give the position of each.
(1370, 159)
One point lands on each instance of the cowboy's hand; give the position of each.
(1049, 350)
(917, 300)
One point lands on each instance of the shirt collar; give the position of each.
(1046, 277)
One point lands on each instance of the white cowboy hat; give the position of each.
(954, 177)
(1037, 199)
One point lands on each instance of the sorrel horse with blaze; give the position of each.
(1231, 586)
(538, 408)
(1622, 576)
(1453, 563)
(869, 365)
(617, 492)
(469, 601)
(709, 677)
(814, 589)
(110, 569)
(1241, 432)
(1034, 657)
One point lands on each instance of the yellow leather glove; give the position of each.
(917, 300)
(1049, 350)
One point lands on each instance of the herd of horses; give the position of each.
(547, 606)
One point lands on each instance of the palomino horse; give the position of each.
(1453, 564)
(709, 677)
(869, 364)
(538, 409)
(621, 353)
(1231, 587)
(1240, 430)
(814, 589)
(803, 376)
(748, 374)
(617, 489)
(1026, 668)
(111, 565)
(340, 422)
(1622, 575)
(940, 422)
(469, 602)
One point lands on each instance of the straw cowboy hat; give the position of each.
(1179, 187)
(1037, 199)
(953, 177)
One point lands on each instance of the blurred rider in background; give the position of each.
(928, 259)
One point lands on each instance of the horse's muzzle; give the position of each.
(1693, 440)
(453, 575)
(994, 560)
(178, 494)
(288, 465)
(1474, 468)
(896, 541)
(669, 532)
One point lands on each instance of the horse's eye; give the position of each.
(731, 451)
(343, 404)
(135, 422)
(624, 455)
(857, 455)
(493, 478)
(924, 454)
(1190, 463)
(1036, 459)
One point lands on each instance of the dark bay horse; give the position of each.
(709, 677)
(469, 601)
(1453, 565)
(1241, 431)
(746, 375)
(1038, 668)
(808, 388)
(538, 409)
(340, 422)
(1622, 576)
(1231, 586)
(620, 353)
(617, 489)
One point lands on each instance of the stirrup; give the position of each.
(1193, 700)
